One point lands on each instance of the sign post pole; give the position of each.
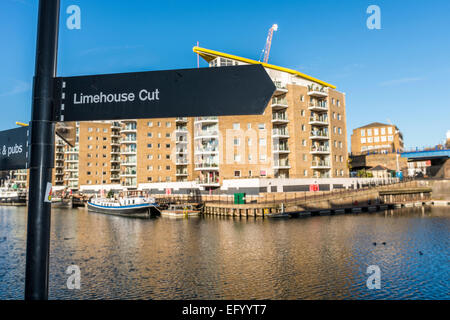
(42, 152)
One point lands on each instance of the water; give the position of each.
(223, 258)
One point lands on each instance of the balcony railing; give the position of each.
(203, 133)
(181, 119)
(321, 163)
(206, 119)
(319, 134)
(279, 101)
(318, 106)
(278, 132)
(279, 117)
(280, 148)
(320, 149)
(206, 165)
(322, 120)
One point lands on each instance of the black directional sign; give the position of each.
(237, 90)
(14, 151)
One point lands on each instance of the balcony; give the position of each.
(206, 120)
(280, 88)
(183, 173)
(207, 166)
(280, 133)
(319, 135)
(206, 134)
(181, 128)
(115, 142)
(115, 151)
(181, 151)
(319, 92)
(115, 135)
(281, 148)
(320, 150)
(115, 159)
(129, 141)
(72, 151)
(115, 169)
(279, 117)
(321, 164)
(318, 121)
(128, 174)
(181, 120)
(279, 103)
(206, 151)
(318, 107)
(281, 164)
(128, 163)
(72, 160)
(115, 177)
(181, 162)
(71, 169)
(318, 175)
(128, 151)
(116, 125)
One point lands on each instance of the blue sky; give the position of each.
(400, 73)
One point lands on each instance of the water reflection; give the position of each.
(222, 258)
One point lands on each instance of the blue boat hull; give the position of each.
(141, 210)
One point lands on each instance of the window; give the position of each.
(369, 140)
(340, 130)
(339, 116)
(250, 173)
(150, 157)
(149, 179)
(305, 173)
(249, 142)
(376, 139)
(261, 126)
(249, 125)
(237, 158)
(167, 145)
(341, 159)
(338, 103)
(262, 157)
(383, 131)
(334, 129)
(303, 113)
(305, 157)
(304, 142)
(167, 168)
(334, 115)
(342, 173)
(332, 100)
(149, 145)
(159, 125)
(159, 145)
(249, 157)
(237, 141)
(383, 138)
(89, 138)
(105, 130)
(167, 156)
(263, 173)
(335, 143)
(363, 140)
(237, 173)
(167, 135)
(390, 138)
(340, 144)
(262, 142)
(363, 133)
(369, 132)
(150, 124)
(90, 129)
(149, 134)
(303, 127)
(168, 179)
(390, 130)
(236, 126)
(88, 173)
(375, 131)
(150, 168)
(168, 124)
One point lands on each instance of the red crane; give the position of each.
(266, 50)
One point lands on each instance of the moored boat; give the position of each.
(124, 206)
(62, 203)
(180, 211)
(13, 197)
